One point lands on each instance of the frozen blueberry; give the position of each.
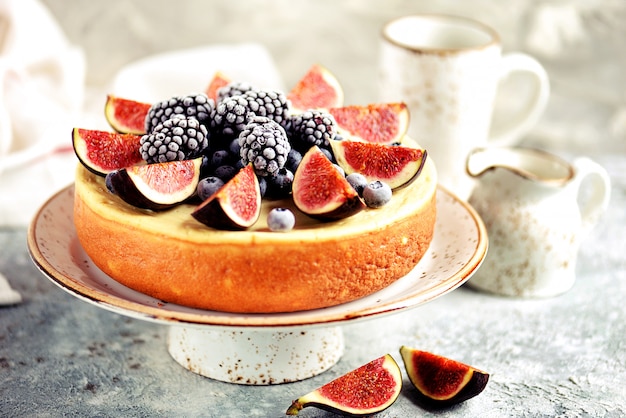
(219, 157)
(108, 181)
(376, 194)
(357, 181)
(280, 219)
(340, 169)
(225, 172)
(279, 185)
(293, 160)
(208, 186)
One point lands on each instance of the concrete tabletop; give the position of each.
(563, 356)
(558, 357)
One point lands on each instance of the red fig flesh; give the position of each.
(102, 152)
(156, 186)
(380, 123)
(237, 205)
(317, 89)
(321, 191)
(441, 381)
(367, 390)
(395, 165)
(126, 116)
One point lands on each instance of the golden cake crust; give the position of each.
(171, 256)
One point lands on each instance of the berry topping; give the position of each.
(232, 113)
(197, 106)
(358, 181)
(235, 88)
(264, 143)
(208, 186)
(281, 219)
(178, 138)
(376, 194)
(313, 127)
(279, 185)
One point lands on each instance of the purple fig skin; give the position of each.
(212, 214)
(475, 386)
(127, 191)
(351, 206)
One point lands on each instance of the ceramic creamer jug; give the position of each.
(537, 209)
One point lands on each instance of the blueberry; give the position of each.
(225, 172)
(219, 158)
(262, 185)
(293, 160)
(328, 154)
(279, 185)
(234, 148)
(376, 194)
(108, 181)
(357, 181)
(280, 219)
(340, 169)
(208, 186)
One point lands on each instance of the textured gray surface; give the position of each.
(564, 356)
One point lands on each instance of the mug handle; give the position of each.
(592, 200)
(516, 126)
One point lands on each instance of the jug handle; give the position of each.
(596, 200)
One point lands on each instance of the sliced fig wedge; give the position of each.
(235, 206)
(125, 115)
(156, 186)
(364, 391)
(101, 151)
(380, 123)
(317, 89)
(441, 381)
(395, 165)
(321, 191)
(218, 81)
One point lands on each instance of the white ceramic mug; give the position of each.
(537, 213)
(447, 70)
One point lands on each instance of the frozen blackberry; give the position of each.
(178, 138)
(231, 114)
(264, 143)
(313, 127)
(198, 106)
(235, 88)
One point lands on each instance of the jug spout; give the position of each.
(530, 163)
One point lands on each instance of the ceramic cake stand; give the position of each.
(258, 349)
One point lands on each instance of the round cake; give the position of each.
(172, 257)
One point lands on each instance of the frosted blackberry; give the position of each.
(236, 88)
(198, 106)
(264, 143)
(281, 219)
(178, 138)
(313, 127)
(376, 194)
(231, 114)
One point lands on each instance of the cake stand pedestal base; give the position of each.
(255, 356)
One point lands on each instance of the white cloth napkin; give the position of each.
(42, 78)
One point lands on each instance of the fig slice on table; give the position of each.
(364, 391)
(380, 123)
(321, 191)
(126, 116)
(102, 152)
(317, 89)
(156, 186)
(395, 165)
(440, 381)
(235, 206)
